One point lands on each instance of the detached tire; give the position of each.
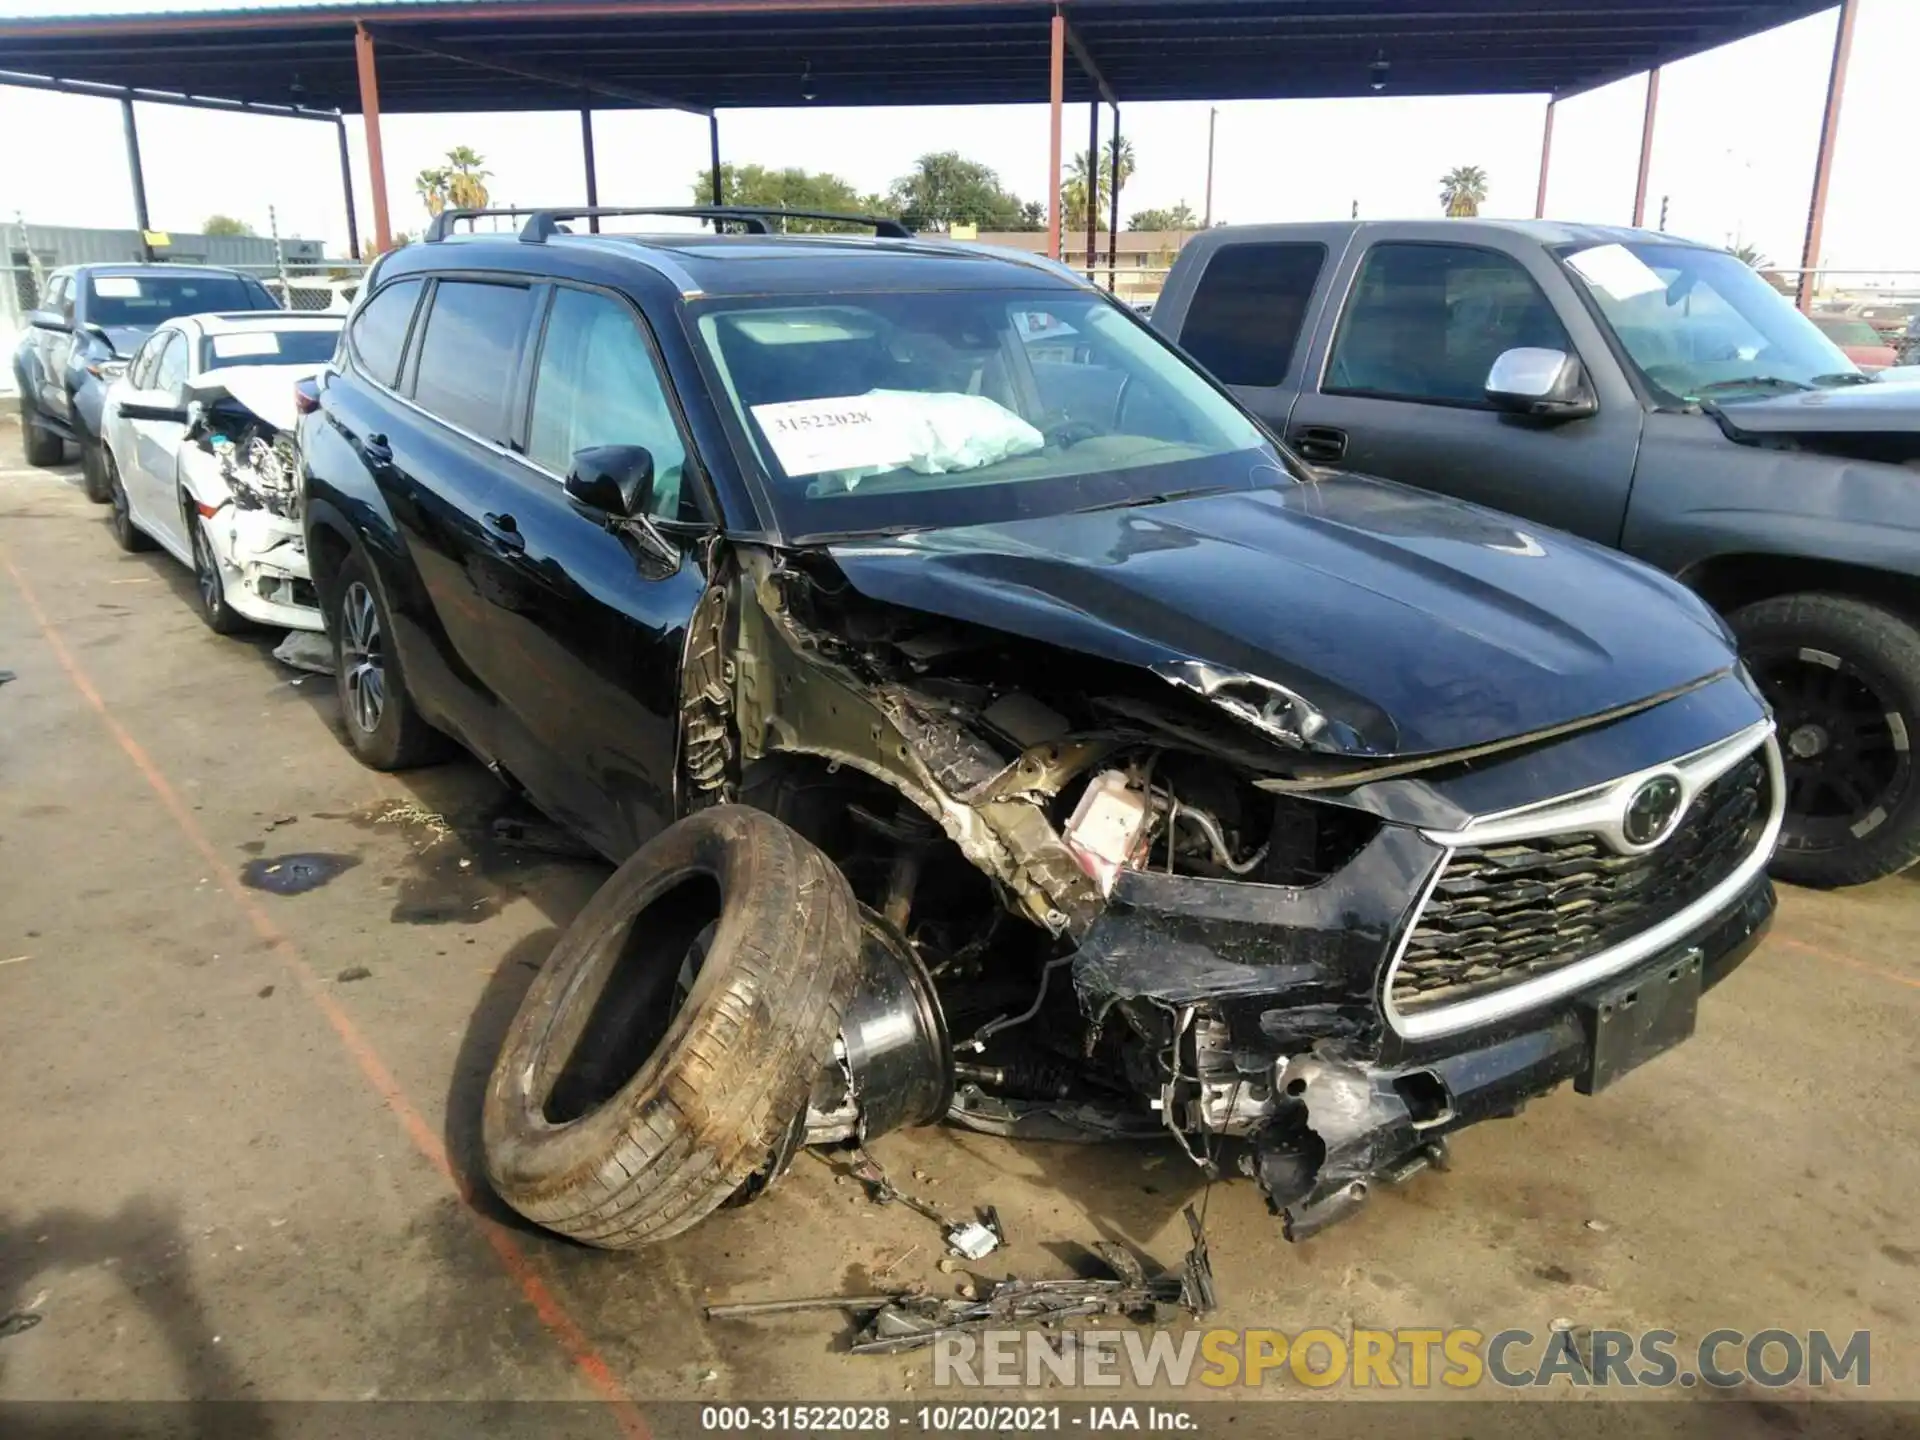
(659, 1061)
(1843, 677)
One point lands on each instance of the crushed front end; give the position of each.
(1118, 901)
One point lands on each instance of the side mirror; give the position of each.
(49, 320)
(1548, 384)
(615, 478)
(173, 414)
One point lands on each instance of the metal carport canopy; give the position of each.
(468, 55)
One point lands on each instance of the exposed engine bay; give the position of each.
(1109, 902)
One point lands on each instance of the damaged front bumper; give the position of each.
(263, 559)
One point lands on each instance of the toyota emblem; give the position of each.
(1651, 812)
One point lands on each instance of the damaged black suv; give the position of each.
(993, 723)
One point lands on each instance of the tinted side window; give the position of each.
(469, 354)
(1248, 308)
(598, 385)
(171, 373)
(59, 296)
(380, 329)
(1426, 322)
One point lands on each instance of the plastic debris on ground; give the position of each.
(306, 650)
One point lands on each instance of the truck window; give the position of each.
(470, 353)
(1427, 321)
(1248, 309)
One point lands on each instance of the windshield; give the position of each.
(305, 346)
(903, 411)
(1703, 323)
(146, 299)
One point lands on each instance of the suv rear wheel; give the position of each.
(383, 724)
(1843, 677)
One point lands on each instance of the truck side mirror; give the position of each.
(49, 320)
(615, 478)
(1547, 384)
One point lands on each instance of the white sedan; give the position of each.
(200, 455)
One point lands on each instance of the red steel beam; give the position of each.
(1546, 155)
(1646, 147)
(1829, 138)
(370, 116)
(1059, 91)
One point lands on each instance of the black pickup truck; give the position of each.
(1642, 391)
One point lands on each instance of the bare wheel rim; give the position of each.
(362, 658)
(205, 573)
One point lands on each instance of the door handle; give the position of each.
(506, 532)
(377, 451)
(1320, 442)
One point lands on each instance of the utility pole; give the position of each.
(279, 257)
(1664, 199)
(1353, 212)
(1206, 222)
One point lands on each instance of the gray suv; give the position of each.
(1645, 392)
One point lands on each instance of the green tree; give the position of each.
(1080, 182)
(1749, 254)
(1176, 217)
(945, 189)
(1463, 190)
(789, 189)
(225, 225)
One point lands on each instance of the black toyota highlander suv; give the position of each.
(995, 723)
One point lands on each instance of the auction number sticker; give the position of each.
(850, 432)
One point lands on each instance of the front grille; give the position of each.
(1504, 913)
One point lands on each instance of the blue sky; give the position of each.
(1738, 130)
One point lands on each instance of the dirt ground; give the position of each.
(232, 1169)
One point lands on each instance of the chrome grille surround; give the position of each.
(1599, 811)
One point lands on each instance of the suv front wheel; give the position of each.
(1843, 678)
(383, 724)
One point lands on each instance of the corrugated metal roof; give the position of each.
(517, 54)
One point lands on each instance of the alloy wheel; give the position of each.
(362, 658)
(1843, 746)
(206, 571)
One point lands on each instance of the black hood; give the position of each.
(1404, 624)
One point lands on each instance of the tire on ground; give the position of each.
(39, 445)
(1885, 645)
(93, 471)
(617, 1119)
(402, 739)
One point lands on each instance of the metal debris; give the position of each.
(975, 1239)
(909, 1321)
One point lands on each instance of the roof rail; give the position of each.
(442, 225)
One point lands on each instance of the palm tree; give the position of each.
(1463, 190)
(466, 178)
(433, 185)
(1118, 157)
(1080, 185)
(1749, 253)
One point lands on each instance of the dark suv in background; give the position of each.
(90, 321)
(914, 624)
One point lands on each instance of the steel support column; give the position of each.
(137, 175)
(1546, 155)
(713, 143)
(370, 117)
(1058, 89)
(1113, 211)
(586, 157)
(1823, 165)
(346, 187)
(1093, 185)
(1646, 147)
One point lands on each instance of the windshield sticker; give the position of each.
(116, 287)
(847, 432)
(246, 342)
(1616, 271)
